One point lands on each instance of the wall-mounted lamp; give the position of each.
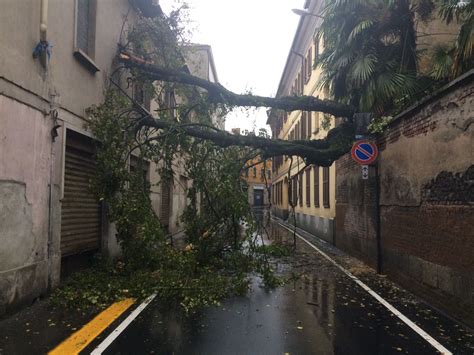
(300, 12)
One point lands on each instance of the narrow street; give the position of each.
(320, 311)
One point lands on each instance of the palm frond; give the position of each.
(442, 60)
(359, 28)
(362, 69)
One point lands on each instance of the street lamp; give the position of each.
(300, 12)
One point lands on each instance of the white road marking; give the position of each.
(122, 326)
(387, 305)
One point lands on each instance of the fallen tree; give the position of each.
(322, 152)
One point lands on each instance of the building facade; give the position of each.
(49, 220)
(310, 190)
(258, 177)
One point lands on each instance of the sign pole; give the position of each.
(377, 218)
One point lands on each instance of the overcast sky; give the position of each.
(250, 40)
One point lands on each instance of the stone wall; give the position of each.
(426, 200)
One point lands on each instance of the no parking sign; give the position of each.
(364, 152)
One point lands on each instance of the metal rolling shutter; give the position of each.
(80, 212)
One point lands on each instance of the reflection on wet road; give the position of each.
(322, 311)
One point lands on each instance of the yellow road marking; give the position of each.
(84, 336)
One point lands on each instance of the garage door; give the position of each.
(80, 213)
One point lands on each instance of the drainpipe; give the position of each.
(43, 57)
(44, 20)
(50, 246)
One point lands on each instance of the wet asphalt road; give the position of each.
(321, 312)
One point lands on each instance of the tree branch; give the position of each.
(322, 152)
(219, 94)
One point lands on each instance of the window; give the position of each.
(269, 174)
(246, 173)
(254, 172)
(304, 124)
(262, 173)
(300, 188)
(84, 41)
(140, 95)
(305, 71)
(309, 65)
(294, 197)
(326, 187)
(280, 193)
(300, 84)
(170, 102)
(316, 121)
(316, 48)
(316, 186)
(310, 124)
(308, 187)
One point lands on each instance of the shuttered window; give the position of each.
(308, 187)
(300, 84)
(294, 197)
(305, 71)
(309, 65)
(300, 188)
(326, 187)
(310, 124)
(316, 186)
(316, 48)
(304, 125)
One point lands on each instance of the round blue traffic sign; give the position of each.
(364, 152)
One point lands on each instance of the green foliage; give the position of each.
(378, 124)
(219, 254)
(450, 61)
(274, 250)
(370, 55)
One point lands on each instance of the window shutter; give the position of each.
(310, 63)
(303, 125)
(310, 124)
(316, 185)
(308, 187)
(300, 189)
(326, 187)
(305, 71)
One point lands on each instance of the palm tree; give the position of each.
(370, 57)
(451, 61)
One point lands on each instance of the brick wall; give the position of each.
(426, 201)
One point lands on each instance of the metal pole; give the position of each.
(377, 219)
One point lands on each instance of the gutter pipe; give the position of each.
(44, 20)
